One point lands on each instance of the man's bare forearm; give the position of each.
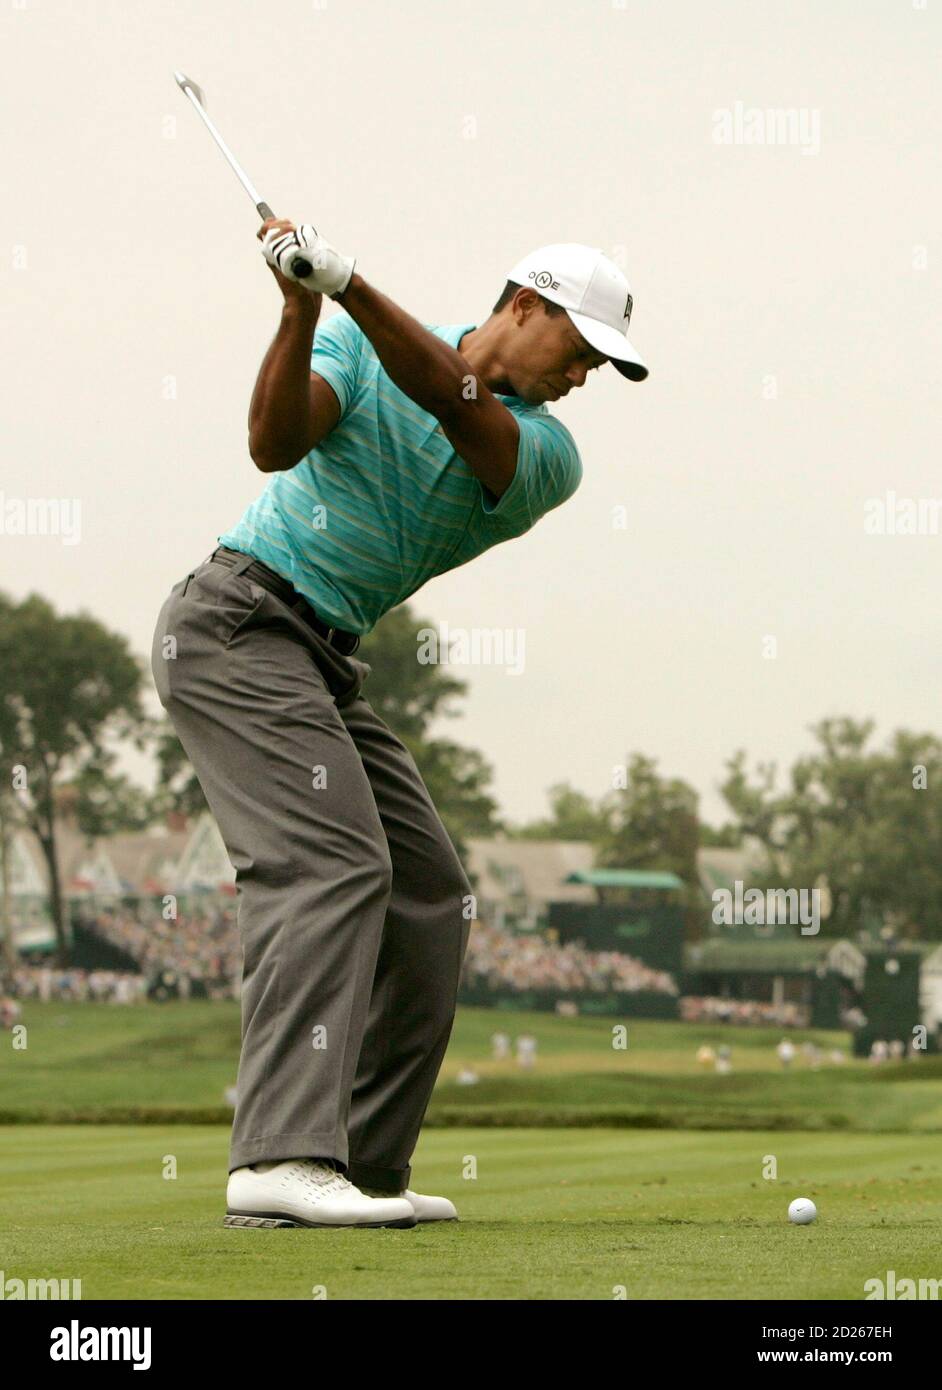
(427, 369)
(279, 415)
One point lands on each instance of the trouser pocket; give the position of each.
(253, 620)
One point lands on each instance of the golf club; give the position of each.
(301, 267)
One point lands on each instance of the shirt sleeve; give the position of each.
(336, 355)
(549, 470)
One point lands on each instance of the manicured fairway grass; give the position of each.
(174, 1062)
(551, 1214)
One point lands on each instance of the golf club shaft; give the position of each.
(301, 267)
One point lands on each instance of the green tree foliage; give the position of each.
(649, 823)
(458, 779)
(654, 823)
(576, 816)
(408, 695)
(69, 690)
(727, 836)
(405, 693)
(857, 819)
(106, 802)
(11, 820)
(573, 816)
(178, 787)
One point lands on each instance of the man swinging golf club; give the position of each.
(395, 452)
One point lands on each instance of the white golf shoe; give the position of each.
(425, 1208)
(305, 1192)
(431, 1208)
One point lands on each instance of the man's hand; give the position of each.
(293, 290)
(282, 243)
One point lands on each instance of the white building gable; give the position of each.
(204, 863)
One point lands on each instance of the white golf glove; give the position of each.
(331, 273)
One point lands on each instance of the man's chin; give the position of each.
(537, 395)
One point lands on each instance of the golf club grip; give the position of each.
(299, 266)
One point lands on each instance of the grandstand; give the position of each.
(155, 912)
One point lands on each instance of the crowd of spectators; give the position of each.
(498, 960)
(201, 952)
(894, 1051)
(707, 1009)
(46, 982)
(201, 948)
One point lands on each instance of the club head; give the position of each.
(186, 84)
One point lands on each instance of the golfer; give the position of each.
(395, 452)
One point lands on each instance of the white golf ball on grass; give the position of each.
(802, 1211)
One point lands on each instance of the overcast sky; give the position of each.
(787, 300)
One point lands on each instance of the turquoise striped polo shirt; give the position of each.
(384, 503)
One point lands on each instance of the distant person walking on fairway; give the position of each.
(395, 452)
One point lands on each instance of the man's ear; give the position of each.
(523, 303)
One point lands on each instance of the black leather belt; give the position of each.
(345, 642)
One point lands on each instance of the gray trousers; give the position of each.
(353, 905)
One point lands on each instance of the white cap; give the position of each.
(594, 293)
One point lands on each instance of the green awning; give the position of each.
(35, 948)
(757, 957)
(625, 878)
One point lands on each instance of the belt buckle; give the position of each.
(330, 638)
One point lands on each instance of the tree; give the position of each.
(458, 779)
(404, 692)
(10, 822)
(727, 836)
(654, 823)
(408, 695)
(178, 787)
(68, 687)
(105, 802)
(865, 821)
(573, 816)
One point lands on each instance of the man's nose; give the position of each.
(577, 374)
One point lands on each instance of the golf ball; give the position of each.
(802, 1211)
